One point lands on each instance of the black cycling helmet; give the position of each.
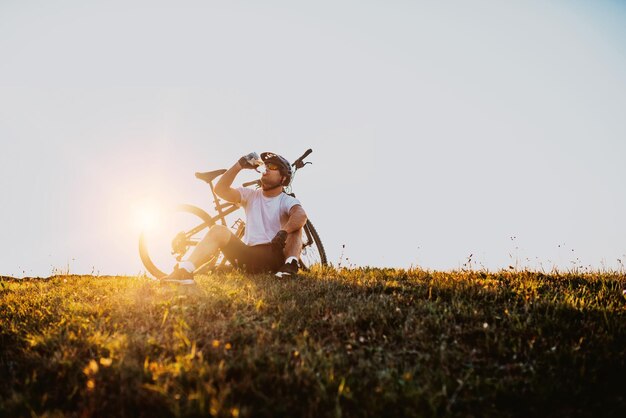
(283, 165)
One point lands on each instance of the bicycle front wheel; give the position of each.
(313, 253)
(176, 236)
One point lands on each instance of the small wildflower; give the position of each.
(106, 362)
(216, 343)
(228, 346)
(485, 325)
(91, 368)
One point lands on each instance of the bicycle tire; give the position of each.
(205, 221)
(312, 242)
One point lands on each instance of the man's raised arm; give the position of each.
(223, 187)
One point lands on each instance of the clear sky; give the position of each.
(439, 129)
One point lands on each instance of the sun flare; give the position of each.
(146, 215)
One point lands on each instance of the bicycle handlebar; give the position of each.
(250, 183)
(299, 163)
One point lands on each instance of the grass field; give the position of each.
(359, 342)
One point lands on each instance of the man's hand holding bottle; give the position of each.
(251, 161)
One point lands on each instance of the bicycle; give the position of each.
(187, 224)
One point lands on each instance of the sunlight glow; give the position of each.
(146, 215)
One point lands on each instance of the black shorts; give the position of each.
(253, 258)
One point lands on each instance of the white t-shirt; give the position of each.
(265, 216)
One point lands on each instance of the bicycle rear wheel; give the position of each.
(176, 236)
(313, 253)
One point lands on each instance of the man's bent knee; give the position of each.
(293, 244)
(220, 234)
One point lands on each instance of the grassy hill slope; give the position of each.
(365, 342)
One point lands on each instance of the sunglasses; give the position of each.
(271, 166)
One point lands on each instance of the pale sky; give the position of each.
(439, 129)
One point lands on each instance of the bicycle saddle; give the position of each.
(209, 176)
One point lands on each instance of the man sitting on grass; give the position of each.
(274, 221)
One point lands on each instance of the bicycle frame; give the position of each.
(232, 207)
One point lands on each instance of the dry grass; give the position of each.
(360, 342)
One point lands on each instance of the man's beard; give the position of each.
(266, 186)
